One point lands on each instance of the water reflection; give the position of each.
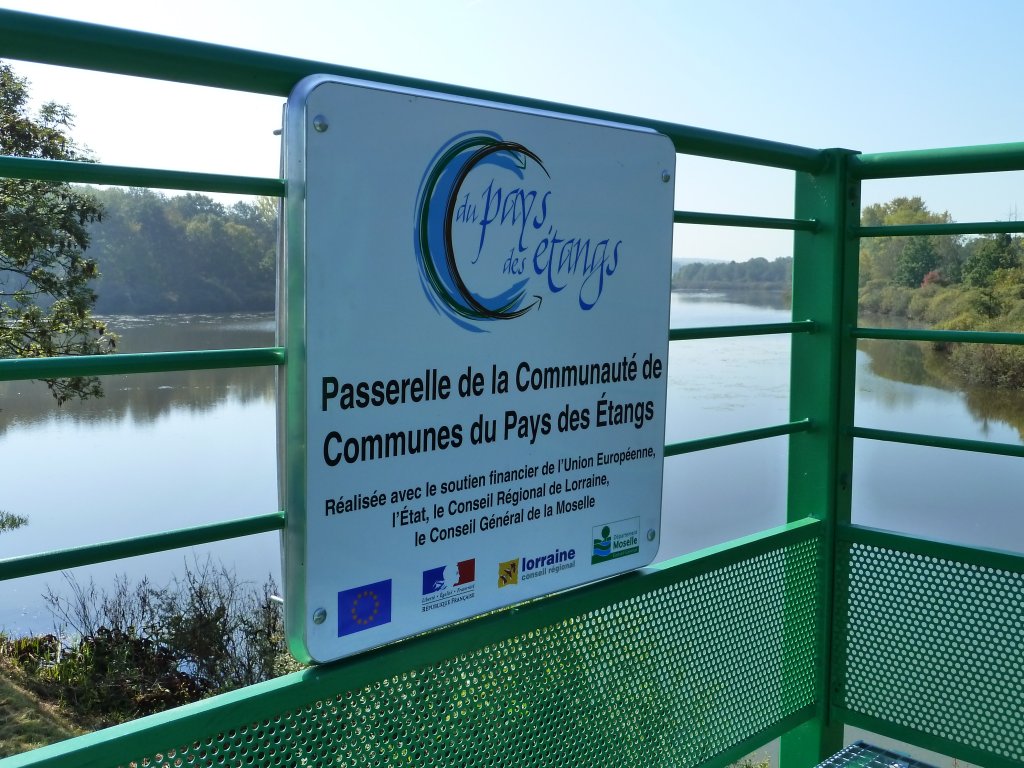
(166, 451)
(990, 410)
(143, 398)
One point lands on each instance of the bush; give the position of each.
(989, 365)
(1013, 315)
(895, 300)
(870, 298)
(943, 306)
(142, 649)
(921, 300)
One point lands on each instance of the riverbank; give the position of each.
(995, 308)
(26, 720)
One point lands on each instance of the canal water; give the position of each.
(165, 451)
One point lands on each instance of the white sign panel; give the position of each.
(477, 312)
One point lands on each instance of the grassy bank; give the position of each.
(26, 720)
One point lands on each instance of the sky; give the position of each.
(870, 75)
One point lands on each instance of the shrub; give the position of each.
(921, 299)
(895, 300)
(942, 306)
(141, 649)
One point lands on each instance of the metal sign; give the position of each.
(476, 316)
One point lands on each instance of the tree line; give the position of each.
(756, 274)
(158, 254)
(979, 262)
(950, 282)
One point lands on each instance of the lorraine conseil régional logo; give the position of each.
(486, 240)
(508, 573)
(364, 607)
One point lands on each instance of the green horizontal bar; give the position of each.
(727, 331)
(185, 724)
(47, 562)
(923, 739)
(956, 228)
(948, 337)
(936, 441)
(126, 176)
(939, 162)
(15, 369)
(733, 220)
(703, 444)
(957, 553)
(31, 37)
(747, 547)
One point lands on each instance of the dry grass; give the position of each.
(25, 721)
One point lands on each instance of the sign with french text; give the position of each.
(476, 311)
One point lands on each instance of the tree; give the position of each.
(902, 261)
(10, 521)
(916, 260)
(46, 298)
(184, 254)
(987, 255)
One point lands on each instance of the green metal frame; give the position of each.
(818, 647)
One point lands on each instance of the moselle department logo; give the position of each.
(364, 607)
(485, 237)
(614, 540)
(508, 573)
(448, 584)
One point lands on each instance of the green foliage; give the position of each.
(906, 260)
(757, 273)
(46, 292)
(917, 258)
(26, 722)
(142, 649)
(988, 255)
(920, 300)
(948, 283)
(10, 521)
(895, 300)
(188, 253)
(989, 364)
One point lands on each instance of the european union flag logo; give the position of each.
(364, 607)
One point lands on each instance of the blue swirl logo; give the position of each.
(483, 230)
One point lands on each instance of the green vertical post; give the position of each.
(822, 389)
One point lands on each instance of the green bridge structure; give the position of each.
(794, 632)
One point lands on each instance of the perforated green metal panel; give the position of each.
(933, 643)
(716, 652)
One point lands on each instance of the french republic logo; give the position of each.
(615, 540)
(448, 584)
(488, 239)
(364, 607)
(508, 573)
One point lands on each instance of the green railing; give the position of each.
(793, 632)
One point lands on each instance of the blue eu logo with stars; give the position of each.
(364, 607)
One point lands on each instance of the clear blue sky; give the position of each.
(868, 75)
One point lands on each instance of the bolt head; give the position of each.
(320, 124)
(666, 176)
(319, 616)
(651, 534)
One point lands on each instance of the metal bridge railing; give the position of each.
(694, 662)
